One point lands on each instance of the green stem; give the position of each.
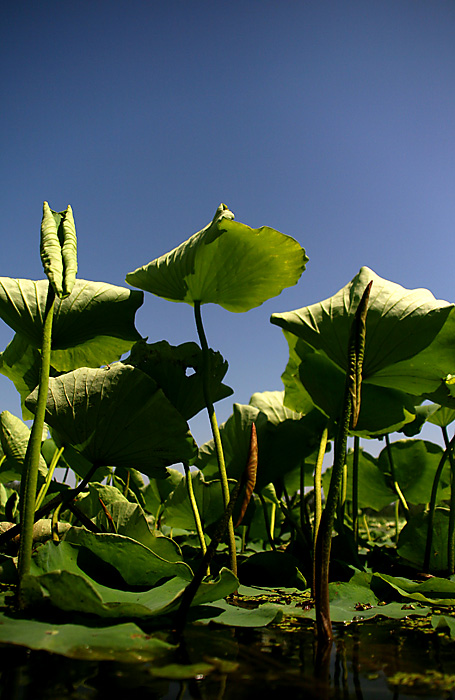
(324, 538)
(63, 498)
(269, 525)
(451, 535)
(396, 486)
(45, 487)
(215, 430)
(317, 488)
(28, 489)
(348, 420)
(355, 489)
(195, 509)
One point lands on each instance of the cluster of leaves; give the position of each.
(122, 545)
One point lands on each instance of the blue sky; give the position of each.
(332, 121)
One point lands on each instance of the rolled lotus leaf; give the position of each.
(58, 248)
(227, 263)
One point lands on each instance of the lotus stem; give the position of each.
(396, 486)
(31, 463)
(348, 420)
(433, 498)
(317, 488)
(45, 487)
(195, 509)
(269, 523)
(451, 534)
(215, 431)
(355, 489)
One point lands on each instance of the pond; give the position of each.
(380, 659)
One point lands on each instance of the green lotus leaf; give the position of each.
(435, 591)
(91, 327)
(126, 517)
(442, 416)
(415, 465)
(117, 416)
(136, 562)
(209, 498)
(382, 410)
(20, 362)
(409, 333)
(413, 540)
(373, 490)
(227, 263)
(124, 642)
(14, 436)
(157, 491)
(168, 366)
(68, 590)
(282, 445)
(235, 436)
(408, 350)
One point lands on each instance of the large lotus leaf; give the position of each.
(323, 381)
(281, 447)
(435, 591)
(223, 613)
(126, 517)
(209, 498)
(70, 458)
(92, 555)
(14, 437)
(415, 464)
(227, 263)
(91, 327)
(169, 366)
(70, 591)
(236, 437)
(20, 362)
(373, 491)
(296, 397)
(400, 322)
(117, 416)
(409, 333)
(157, 490)
(290, 438)
(413, 539)
(137, 563)
(271, 403)
(124, 642)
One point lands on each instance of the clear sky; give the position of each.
(332, 121)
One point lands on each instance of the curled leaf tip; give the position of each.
(223, 212)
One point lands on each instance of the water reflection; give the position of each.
(361, 664)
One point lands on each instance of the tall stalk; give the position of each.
(348, 420)
(451, 534)
(355, 489)
(32, 456)
(317, 489)
(447, 454)
(195, 509)
(215, 431)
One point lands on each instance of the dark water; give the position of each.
(270, 663)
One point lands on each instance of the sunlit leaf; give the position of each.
(91, 327)
(409, 348)
(227, 263)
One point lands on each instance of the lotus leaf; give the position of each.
(227, 263)
(117, 416)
